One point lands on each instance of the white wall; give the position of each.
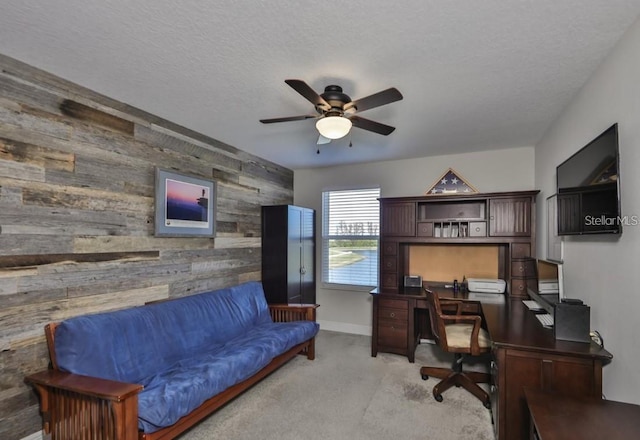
(603, 271)
(491, 171)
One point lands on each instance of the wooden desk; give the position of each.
(524, 353)
(556, 417)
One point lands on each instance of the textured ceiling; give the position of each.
(475, 75)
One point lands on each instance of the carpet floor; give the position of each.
(345, 394)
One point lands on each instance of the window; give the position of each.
(350, 236)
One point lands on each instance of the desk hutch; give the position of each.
(506, 220)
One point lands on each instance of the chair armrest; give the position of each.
(90, 386)
(293, 312)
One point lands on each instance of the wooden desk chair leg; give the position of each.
(440, 373)
(456, 377)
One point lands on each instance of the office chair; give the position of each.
(462, 335)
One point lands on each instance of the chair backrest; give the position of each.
(437, 324)
(465, 329)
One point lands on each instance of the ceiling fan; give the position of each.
(336, 112)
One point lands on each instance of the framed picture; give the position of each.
(185, 205)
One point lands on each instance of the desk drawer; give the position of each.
(392, 333)
(519, 286)
(393, 314)
(393, 304)
(425, 229)
(389, 280)
(389, 248)
(522, 268)
(389, 264)
(477, 229)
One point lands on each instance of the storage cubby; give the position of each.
(452, 219)
(464, 210)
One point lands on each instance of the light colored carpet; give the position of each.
(347, 394)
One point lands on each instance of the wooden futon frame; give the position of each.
(76, 407)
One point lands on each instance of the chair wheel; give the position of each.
(424, 377)
(438, 397)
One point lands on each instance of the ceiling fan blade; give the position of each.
(376, 100)
(305, 90)
(287, 119)
(367, 124)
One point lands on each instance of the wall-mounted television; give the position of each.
(588, 188)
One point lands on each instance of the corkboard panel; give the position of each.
(449, 262)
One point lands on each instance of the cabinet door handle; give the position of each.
(393, 315)
(303, 270)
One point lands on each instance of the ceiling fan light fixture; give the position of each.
(333, 127)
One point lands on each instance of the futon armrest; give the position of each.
(293, 312)
(86, 407)
(89, 386)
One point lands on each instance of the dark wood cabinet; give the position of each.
(393, 324)
(398, 219)
(505, 219)
(288, 254)
(527, 355)
(564, 373)
(510, 216)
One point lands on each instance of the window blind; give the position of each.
(350, 237)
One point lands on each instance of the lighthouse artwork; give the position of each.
(184, 205)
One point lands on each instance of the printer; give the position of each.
(486, 285)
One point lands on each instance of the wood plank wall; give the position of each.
(76, 217)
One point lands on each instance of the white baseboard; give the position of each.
(35, 436)
(345, 327)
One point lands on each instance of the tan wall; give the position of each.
(77, 214)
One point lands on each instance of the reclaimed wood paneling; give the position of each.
(76, 217)
(92, 115)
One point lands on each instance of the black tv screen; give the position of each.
(588, 188)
